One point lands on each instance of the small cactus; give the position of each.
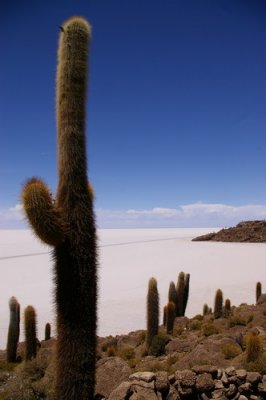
(254, 347)
(170, 317)
(205, 309)
(218, 304)
(47, 335)
(258, 291)
(227, 308)
(13, 330)
(152, 311)
(30, 333)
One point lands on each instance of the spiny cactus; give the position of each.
(205, 309)
(152, 311)
(254, 347)
(227, 308)
(13, 330)
(186, 292)
(258, 291)
(172, 295)
(182, 292)
(30, 333)
(218, 304)
(170, 317)
(47, 334)
(164, 315)
(67, 223)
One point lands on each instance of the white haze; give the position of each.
(127, 259)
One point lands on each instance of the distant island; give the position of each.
(245, 231)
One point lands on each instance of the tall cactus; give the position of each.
(152, 311)
(258, 291)
(30, 333)
(186, 292)
(218, 304)
(180, 290)
(172, 295)
(170, 317)
(13, 330)
(47, 333)
(68, 222)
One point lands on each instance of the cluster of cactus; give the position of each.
(152, 312)
(206, 309)
(30, 333)
(67, 223)
(218, 304)
(13, 330)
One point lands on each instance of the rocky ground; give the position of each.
(204, 358)
(246, 231)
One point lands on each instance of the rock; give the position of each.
(122, 392)
(241, 397)
(262, 387)
(204, 382)
(144, 395)
(186, 378)
(253, 377)
(142, 376)
(218, 384)
(171, 378)
(161, 382)
(241, 374)
(231, 391)
(230, 371)
(110, 373)
(200, 369)
(178, 346)
(143, 390)
(218, 394)
(224, 379)
(244, 388)
(172, 394)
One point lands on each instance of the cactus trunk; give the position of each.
(69, 222)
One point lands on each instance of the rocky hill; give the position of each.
(246, 231)
(204, 358)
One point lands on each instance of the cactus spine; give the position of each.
(68, 222)
(258, 291)
(13, 330)
(30, 333)
(47, 335)
(170, 317)
(152, 311)
(218, 304)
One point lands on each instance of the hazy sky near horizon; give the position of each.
(176, 108)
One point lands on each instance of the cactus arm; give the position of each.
(42, 214)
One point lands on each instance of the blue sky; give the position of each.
(176, 108)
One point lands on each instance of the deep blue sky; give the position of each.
(177, 100)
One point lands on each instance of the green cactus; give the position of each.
(164, 315)
(182, 292)
(218, 304)
(13, 330)
(67, 223)
(30, 333)
(186, 293)
(172, 295)
(254, 347)
(152, 311)
(47, 334)
(170, 317)
(258, 291)
(205, 309)
(227, 308)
